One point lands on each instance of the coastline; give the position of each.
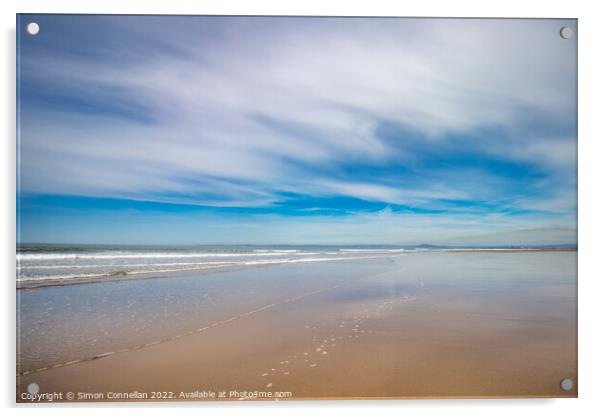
(412, 326)
(24, 284)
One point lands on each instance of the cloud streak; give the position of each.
(443, 115)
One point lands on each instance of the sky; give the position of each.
(290, 130)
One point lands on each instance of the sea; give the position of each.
(59, 264)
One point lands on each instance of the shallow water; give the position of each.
(59, 265)
(64, 323)
(461, 324)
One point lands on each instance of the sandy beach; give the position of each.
(417, 325)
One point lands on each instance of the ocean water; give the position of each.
(58, 264)
(486, 302)
(58, 324)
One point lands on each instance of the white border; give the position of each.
(590, 288)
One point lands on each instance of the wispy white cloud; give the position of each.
(237, 111)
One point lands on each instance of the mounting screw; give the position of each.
(33, 28)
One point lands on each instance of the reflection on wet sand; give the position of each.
(420, 325)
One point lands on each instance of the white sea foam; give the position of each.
(124, 265)
(142, 255)
(32, 273)
(372, 250)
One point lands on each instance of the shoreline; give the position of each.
(343, 330)
(124, 276)
(173, 337)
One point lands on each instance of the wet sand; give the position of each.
(420, 325)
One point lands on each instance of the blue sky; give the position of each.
(201, 130)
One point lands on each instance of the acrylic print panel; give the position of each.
(261, 208)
